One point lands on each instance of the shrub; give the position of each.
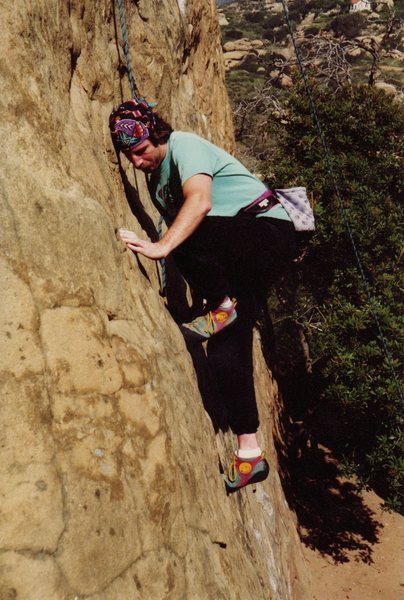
(233, 34)
(276, 35)
(251, 63)
(326, 5)
(255, 17)
(274, 21)
(298, 7)
(281, 33)
(311, 31)
(349, 25)
(354, 383)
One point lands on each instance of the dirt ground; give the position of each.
(354, 550)
(370, 569)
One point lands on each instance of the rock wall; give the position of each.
(109, 480)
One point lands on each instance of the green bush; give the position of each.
(326, 5)
(311, 31)
(241, 84)
(255, 17)
(274, 21)
(364, 128)
(276, 35)
(298, 7)
(349, 25)
(233, 34)
(251, 63)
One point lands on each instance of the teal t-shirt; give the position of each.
(233, 186)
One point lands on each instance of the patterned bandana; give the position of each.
(130, 124)
(129, 133)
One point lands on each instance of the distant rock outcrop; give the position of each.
(390, 89)
(110, 487)
(236, 52)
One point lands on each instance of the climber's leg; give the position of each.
(246, 256)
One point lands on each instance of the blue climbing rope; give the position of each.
(133, 88)
(329, 162)
(135, 94)
(163, 283)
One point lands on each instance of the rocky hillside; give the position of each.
(110, 487)
(336, 41)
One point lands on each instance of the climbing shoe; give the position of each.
(204, 327)
(244, 471)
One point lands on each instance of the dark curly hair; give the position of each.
(161, 130)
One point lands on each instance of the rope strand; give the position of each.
(133, 88)
(135, 94)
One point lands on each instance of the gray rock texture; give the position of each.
(109, 481)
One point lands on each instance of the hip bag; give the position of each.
(294, 201)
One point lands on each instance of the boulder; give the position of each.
(285, 53)
(243, 44)
(222, 20)
(286, 81)
(390, 89)
(355, 52)
(383, 3)
(236, 55)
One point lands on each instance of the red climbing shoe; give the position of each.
(244, 471)
(202, 328)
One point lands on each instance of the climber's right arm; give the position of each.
(197, 191)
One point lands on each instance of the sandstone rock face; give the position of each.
(109, 486)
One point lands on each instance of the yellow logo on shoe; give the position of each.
(221, 316)
(244, 468)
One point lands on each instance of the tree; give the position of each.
(354, 383)
(255, 17)
(349, 25)
(233, 34)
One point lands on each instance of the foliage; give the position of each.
(241, 84)
(350, 401)
(255, 17)
(325, 5)
(233, 34)
(276, 35)
(353, 381)
(298, 9)
(311, 31)
(349, 25)
(274, 21)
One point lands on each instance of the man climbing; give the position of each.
(229, 237)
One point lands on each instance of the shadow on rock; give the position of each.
(211, 399)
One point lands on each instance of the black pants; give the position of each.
(236, 256)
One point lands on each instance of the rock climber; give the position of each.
(230, 239)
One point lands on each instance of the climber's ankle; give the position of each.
(248, 442)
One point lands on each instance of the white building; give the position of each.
(357, 5)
